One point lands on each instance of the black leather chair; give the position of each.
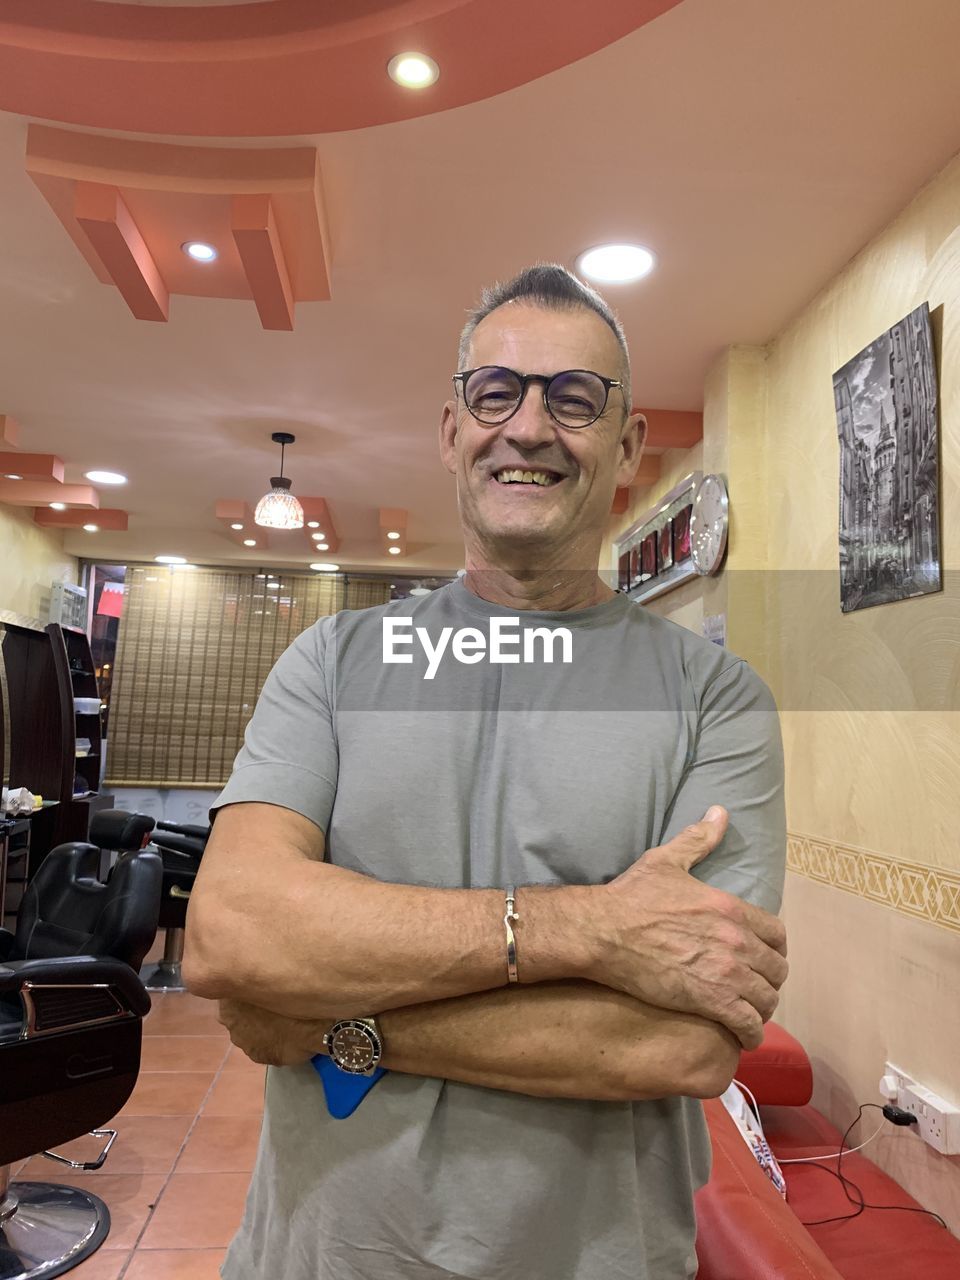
(71, 1006)
(67, 910)
(181, 846)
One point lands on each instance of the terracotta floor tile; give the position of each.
(175, 1264)
(176, 1013)
(236, 1093)
(221, 1144)
(237, 1060)
(183, 1053)
(105, 1264)
(129, 1199)
(197, 1211)
(168, 1093)
(145, 1144)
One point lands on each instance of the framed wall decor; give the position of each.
(682, 536)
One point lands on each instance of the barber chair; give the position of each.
(115, 831)
(71, 1009)
(181, 847)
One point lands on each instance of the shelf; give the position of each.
(82, 673)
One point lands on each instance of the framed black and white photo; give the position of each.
(886, 406)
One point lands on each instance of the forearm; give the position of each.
(562, 1040)
(312, 940)
(555, 1040)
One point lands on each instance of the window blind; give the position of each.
(194, 649)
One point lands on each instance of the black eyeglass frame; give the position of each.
(547, 379)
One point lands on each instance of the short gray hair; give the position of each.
(553, 287)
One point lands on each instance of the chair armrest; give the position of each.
(77, 971)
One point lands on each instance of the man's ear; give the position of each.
(631, 449)
(448, 436)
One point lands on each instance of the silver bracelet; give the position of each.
(512, 914)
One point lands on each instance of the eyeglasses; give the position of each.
(573, 398)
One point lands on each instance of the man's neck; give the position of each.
(548, 590)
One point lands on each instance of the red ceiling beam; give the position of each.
(121, 248)
(231, 511)
(36, 493)
(648, 471)
(258, 243)
(672, 428)
(105, 518)
(393, 520)
(32, 466)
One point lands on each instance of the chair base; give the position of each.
(46, 1229)
(165, 976)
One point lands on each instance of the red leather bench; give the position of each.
(747, 1232)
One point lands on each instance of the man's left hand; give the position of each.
(270, 1038)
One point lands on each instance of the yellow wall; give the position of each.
(869, 701)
(31, 559)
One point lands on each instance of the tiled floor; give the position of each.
(176, 1179)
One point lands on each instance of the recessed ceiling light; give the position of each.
(394, 551)
(199, 251)
(313, 524)
(616, 263)
(325, 566)
(236, 526)
(170, 559)
(11, 476)
(105, 477)
(393, 536)
(58, 506)
(90, 528)
(273, 586)
(261, 575)
(249, 542)
(413, 70)
(323, 546)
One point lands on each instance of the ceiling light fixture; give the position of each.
(394, 551)
(105, 477)
(236, 526)
(314, 524)
(249, 542)
(199, 251)
(58, 506)
(91, 528)
(616, 263)
(323, 546)
(393, 536)
(273, 586)
(279, 509)
(10, 476)
(170, 559)
(413, 70)
(325, 566)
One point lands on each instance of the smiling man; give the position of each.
(500, 885)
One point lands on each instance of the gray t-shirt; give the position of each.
(458, 772)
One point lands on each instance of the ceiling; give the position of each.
(754, 145)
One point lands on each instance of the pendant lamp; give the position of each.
(279, 509)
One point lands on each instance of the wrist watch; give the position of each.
(355, 1045)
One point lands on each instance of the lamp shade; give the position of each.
(279, 509)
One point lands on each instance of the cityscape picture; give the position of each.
(886, 405)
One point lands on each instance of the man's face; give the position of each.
(584, 465)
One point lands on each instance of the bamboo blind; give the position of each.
(193, 652)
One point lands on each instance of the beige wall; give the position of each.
(869, 701)
(31, 559)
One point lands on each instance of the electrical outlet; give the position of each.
(938, 1121)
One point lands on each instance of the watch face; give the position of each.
(352, 1047)
(708, 524)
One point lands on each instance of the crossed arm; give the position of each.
(557, 1037)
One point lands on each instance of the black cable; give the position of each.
(896, 1116)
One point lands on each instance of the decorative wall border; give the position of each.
(926, 893)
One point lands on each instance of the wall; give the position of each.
(869, 701)
(31, 558)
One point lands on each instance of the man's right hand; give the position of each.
(677, 943)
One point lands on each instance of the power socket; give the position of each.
(938, 1121)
